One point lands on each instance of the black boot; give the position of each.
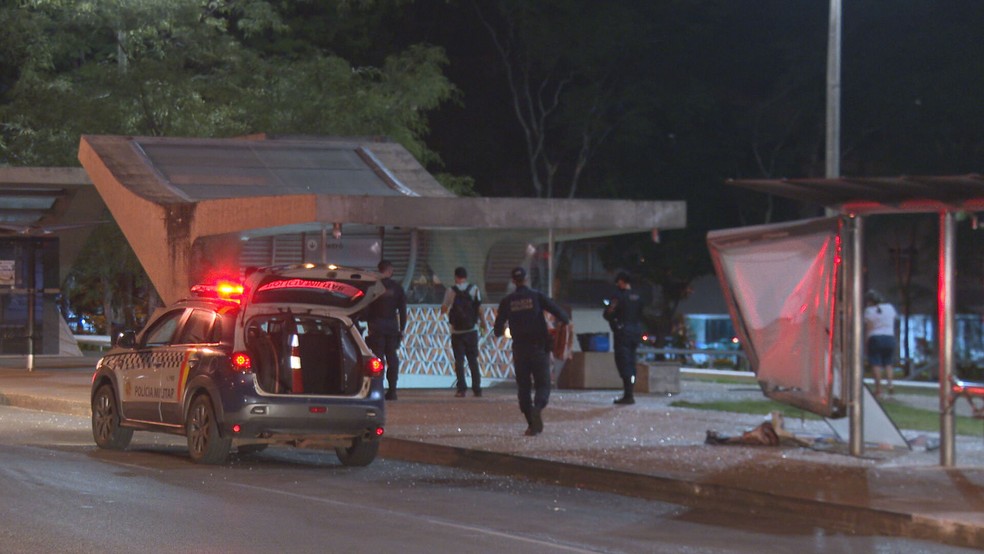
(627, 397)
(536, 423)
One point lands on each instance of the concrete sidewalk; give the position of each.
(652, 450)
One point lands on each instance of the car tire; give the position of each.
(205, 444)
(361, 453)
(106, 430)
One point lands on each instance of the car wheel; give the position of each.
(205, 444)
(361, 453)
(106, 430)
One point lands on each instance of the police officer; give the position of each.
(387, 319)
(523, 311)
(624, 316)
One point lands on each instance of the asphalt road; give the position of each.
(59, 493)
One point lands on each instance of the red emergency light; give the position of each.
(223, 290)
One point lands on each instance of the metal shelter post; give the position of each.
(946, 322)
(856, 407)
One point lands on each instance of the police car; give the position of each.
(275, 360)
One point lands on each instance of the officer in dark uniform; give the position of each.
(387, 319)
(624, 315)
(523, 310)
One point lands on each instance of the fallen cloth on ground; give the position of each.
(763, 435)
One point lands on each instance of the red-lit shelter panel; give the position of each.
(781, 283)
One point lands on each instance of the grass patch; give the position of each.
(723, 379)
(754, 407)
(906, 417)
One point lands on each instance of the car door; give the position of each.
(140, 389)
(198, 336)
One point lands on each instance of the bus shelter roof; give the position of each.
(870, 195)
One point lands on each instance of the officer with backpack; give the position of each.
(463, 303)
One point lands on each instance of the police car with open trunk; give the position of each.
(275, 360)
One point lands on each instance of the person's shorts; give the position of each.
(881, 350)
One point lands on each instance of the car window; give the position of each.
(197, 329)
(222, 329)
(162, 331)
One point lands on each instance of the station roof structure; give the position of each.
(167, 193)
(868, 195)
(50, 202)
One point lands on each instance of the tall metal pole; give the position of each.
(550, 262)
(945, 311)
(856, 406)
(832, 169)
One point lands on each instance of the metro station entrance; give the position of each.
(28, 295)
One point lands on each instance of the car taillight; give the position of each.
(374, 367)
(241, 362)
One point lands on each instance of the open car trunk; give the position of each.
(305, 354)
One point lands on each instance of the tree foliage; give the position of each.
(110, 283)
(670, 266)
(194, 68)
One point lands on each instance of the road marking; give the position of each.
(459, 526)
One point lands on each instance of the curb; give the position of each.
(45, 404)
(855, 520)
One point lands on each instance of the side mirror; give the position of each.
(126, 339)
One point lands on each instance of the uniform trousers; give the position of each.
(626, 344)
(532, 365)
(384, 346)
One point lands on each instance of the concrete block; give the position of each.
(662, 378)
(590, 370)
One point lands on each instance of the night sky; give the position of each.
(713, 90)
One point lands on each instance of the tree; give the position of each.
(184, 68)
(562, 63)
(110, 282)
(671, 265)
(195, 68)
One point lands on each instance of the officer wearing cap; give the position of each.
(523, 311)
(624, 316)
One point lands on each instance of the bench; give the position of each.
(972, 392)
(596, 370)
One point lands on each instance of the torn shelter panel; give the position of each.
(781, 285)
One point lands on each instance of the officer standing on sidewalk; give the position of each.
(624, 316)
(523, 311)
(387, 319)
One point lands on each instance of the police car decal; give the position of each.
(175, 375)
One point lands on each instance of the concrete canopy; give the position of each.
(50, 202)
(167, 193)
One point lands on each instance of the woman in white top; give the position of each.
(879, 323)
